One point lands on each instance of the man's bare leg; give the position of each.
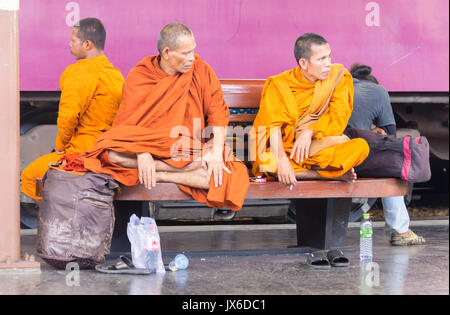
(308, 174)
(197, 178)
(192, 175)
(350, 176)
(130, 161)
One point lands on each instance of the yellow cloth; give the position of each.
(91, 91)
(286, 99)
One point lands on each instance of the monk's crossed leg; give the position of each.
(346, 156)
(192, 175)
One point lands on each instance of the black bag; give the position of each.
(76, 218)
(407, 158)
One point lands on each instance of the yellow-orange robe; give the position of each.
(159, 113)
(288, 98)
(91, 91)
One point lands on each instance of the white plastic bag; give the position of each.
(145, 244)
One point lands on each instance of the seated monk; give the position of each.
(166, 95)
(91, 91)
(298, 131)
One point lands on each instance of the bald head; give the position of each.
(170, 35)
(176, 45)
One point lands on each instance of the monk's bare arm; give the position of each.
(276, 144)
(218, 141)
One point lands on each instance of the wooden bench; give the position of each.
(322, 207)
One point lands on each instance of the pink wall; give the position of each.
(405, 41)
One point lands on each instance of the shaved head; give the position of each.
(302, 48)
(93, 30)
(169, 35)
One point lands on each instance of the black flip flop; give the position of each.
(123, 266)
(337, 259)
(318, 260)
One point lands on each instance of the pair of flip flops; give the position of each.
(123, 266)
(322, 260)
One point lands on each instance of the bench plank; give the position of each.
(242, 118)
(242, 93)
(361, 188)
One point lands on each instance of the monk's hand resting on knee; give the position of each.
(286, 173)
(215, 165)
(147, 170)
(300, 151)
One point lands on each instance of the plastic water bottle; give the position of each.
(365, 238)
(151, 249)
(180, 262)
(151, 260)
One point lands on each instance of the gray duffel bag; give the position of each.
(76, 218)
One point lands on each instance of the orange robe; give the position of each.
(159, 113)
(91, 91)
(288, 98)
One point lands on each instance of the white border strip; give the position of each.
(9, 5)
(259, 227)
(256, 227)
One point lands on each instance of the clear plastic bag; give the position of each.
(145, 244)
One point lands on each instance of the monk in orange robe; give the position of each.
(298, 131)
(91, 91)
(170, 101)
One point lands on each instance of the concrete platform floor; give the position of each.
(255, 260)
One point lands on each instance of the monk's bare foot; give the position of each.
(350, 176)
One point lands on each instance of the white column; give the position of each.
(9, 138)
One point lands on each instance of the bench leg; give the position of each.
(123, 209)
(322, 223)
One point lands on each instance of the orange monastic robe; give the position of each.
(91, 91)
(166, 115)
(286, 99)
